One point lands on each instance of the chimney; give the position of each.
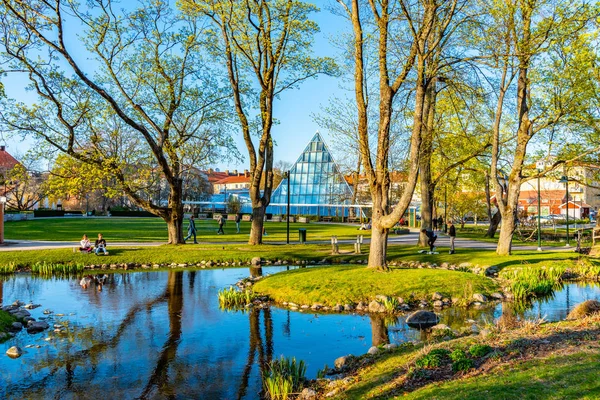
(246, 173)
(227, 172)
(210, 170)
(2, 148)
(235, 172)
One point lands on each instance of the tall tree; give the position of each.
(532, 30)
(406, 41)
(266, 47)
(145, 71)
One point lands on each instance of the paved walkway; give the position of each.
(443, 243)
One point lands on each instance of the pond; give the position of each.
(162, 335)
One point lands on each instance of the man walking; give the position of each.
(238, 218)
(221, 222)
(452, 233)
(191, 230)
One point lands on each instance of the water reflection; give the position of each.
(162, 335)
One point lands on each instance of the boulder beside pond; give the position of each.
(422, 319)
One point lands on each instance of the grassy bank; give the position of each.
(311, 252)
(351, 284)
(6, 321)
(155, 230)
(167, 254)
(534, 361)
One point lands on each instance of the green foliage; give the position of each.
(322, 372)
(463, 364)
(283, 377)
(6, 320)
(433, 359)
(391, 304)
(8, 268)
(458, 354)
(45, 268)
(233, 298)
(479, 350)
(529, 282)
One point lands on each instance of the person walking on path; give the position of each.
(452, 233)
(435, 224)
(191, 230)
(441, 223)
(221, 222)
(238, 218)
(431, 238)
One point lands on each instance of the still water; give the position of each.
(161, 335)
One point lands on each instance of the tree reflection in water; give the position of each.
(160, 376)
(265, 351)
(379, 328)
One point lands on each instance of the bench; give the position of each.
(246, 217)
(202, 216)
(231, 217)
(304, 220)
(276, 218)
(353, 219)
(326, 219)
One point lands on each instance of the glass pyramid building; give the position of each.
(317, 186)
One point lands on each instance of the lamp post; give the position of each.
(2, 202)
(540, 167)
(445, 208)
(565, 179)
(287, 177)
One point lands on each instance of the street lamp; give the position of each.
(286, 175)
(2, 202)
(565, 179)
(540, 167)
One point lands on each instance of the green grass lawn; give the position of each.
(477, 232)
(155, 230)
(519, 258)
(348, 284)
(573, 376)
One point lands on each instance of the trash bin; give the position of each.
(302, 235)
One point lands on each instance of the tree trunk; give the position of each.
(174, 214)
(256, 232)
(378, 247)
(494, 222)
(507, 229)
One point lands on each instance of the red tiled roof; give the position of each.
(6, 160)
(234, 179)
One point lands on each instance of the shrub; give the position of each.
(283, 377)
(433, 359)
(458, 354)
(463, 364)
(479, 350)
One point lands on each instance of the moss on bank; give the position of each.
(6, 321)
(351, 284)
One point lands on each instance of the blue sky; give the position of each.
(293, 109)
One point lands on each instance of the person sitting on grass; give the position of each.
(431, 238)
(86, 246)
(101, 245)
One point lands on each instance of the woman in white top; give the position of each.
(85, 244)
